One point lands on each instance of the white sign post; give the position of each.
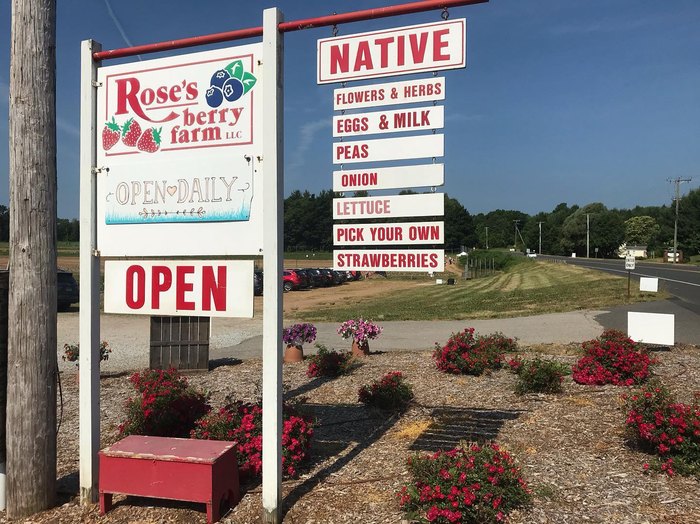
(273, 226)
(89, 321)
(629, 266)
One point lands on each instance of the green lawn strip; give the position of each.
(565, 290)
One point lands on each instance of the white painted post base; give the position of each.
(2, 486)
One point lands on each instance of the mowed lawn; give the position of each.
(528, 288)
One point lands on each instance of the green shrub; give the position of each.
(538, 376)
(328, 363)
(499, 260)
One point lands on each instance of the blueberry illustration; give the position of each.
(218, 78)
(214, 97)
(233, 89)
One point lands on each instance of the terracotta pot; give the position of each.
(293, 353)
(360, 349)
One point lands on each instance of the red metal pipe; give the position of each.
(296, 25)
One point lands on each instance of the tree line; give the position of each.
(308, 226)
(308, 222)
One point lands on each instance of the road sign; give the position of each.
(397, 233)
(380, 122)
(391, 93)
(381, 149)
(367, 178)
(428, 204)
(413, 260)
(403, 50)
(630, 262)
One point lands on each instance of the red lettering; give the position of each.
(135, 281)
(214, 288)
(340, 58)
(161, 280)
(182, 287)
(128, 99)
(192, 91)
(383, 44)
(438, 43)
(418, 48)
(363, 58)
(400, 58)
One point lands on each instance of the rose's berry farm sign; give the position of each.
(177, 147)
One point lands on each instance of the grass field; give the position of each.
(529, 288)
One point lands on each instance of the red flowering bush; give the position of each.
(242, 423)
(390, 392)
(658, 424)
(466, 354)
(167, 406)
(467, 484)
(328, 363)
(499, 342)
(611, 359)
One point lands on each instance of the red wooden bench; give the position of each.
(171, 468)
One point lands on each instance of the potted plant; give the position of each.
(361, 331)
(71, 352)
(295, 336)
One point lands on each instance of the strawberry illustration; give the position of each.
(131, 131)
(111, 133)
(150, 140)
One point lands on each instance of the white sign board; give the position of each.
(176, 150)
(428, 204)
(651, 328)
(426, 175)
(404, 50)
(402, 233)
(380, 122)
(403, 148)
(630, 262)
(411, 260)
(215, 288)
(649, 284)
(391, 93)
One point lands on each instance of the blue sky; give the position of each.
(562, 100)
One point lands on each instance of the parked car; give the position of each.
(257, 282)
(306, 281)
(338, 277)
(291, 280)
(328, 275)
(67, 290)
(317, 279)
(354, 275)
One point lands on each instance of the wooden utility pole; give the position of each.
(31, 381)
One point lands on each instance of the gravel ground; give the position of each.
(571, 446)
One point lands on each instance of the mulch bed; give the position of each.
(571, 446)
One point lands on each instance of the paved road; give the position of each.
(681, 281)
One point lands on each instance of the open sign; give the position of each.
(197, 288)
